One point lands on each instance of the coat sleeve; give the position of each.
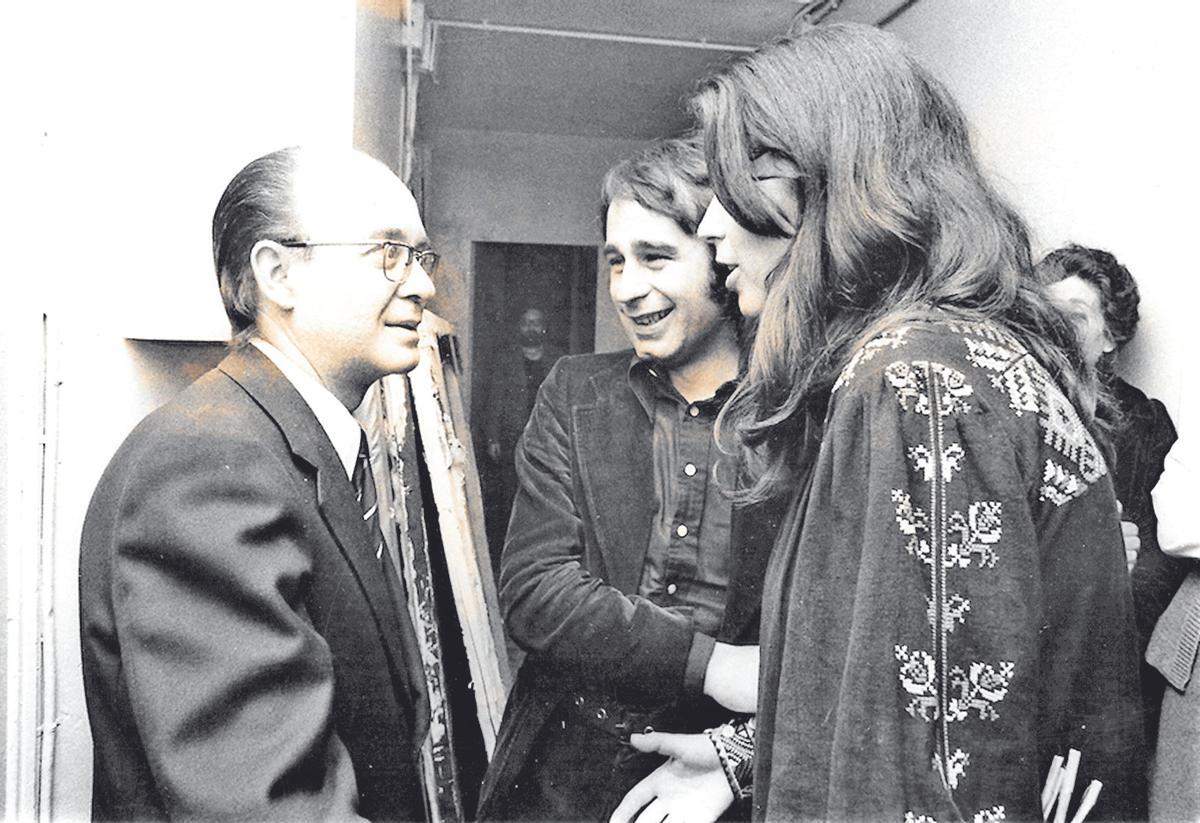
(554, 607)
(230, 685)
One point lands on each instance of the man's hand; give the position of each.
(688, 788)
(731, 678)
(1133, 543)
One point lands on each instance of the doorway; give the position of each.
(511, 278)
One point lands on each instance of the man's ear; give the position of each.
(269, 261)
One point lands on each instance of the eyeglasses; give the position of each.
(391, 254)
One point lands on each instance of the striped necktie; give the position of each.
(364, 489)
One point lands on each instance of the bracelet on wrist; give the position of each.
(734, 743)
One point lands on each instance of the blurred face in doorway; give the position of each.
(659, 279)
(532, 327)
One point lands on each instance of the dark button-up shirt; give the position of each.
(687, 561)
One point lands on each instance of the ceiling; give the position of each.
(505, 65)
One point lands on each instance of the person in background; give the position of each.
(946, 608)
(247, 648)
(512, 387)
(1101, 298)
(628, 577)
(1175, 782)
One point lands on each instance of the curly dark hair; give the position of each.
(1119, 296)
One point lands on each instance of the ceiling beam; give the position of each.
(609, 37)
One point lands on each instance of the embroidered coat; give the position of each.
(948, 606)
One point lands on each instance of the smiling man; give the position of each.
(627, 575)
(247, 650)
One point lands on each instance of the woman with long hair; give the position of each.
(947, 607)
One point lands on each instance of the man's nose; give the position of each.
(418, 285)
(632, 285)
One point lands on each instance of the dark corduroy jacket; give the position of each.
(573, 559)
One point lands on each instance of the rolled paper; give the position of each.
(1050, 790)
(1088, 801)
(1068, 786)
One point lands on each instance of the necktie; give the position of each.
(363, 480)
(364, 489)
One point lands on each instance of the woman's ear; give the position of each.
(1110, 345)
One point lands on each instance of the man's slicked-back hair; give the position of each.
(257, 204)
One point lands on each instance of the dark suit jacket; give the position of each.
(243, 655)
(573, 559)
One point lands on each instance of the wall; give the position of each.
(127, 120)
(1085, 112)
(515, 188)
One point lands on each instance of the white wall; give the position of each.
(515, 188)
(1085, 111)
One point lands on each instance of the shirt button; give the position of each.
(689, 469)
(681, 530)
(693, 410)
(672, 588)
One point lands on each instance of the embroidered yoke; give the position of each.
(948, 606)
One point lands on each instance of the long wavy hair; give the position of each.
(896, 221)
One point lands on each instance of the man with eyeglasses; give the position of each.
(247, 649)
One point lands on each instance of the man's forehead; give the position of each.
(350, 192)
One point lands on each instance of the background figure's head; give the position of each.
(531, 327)
(848, 195)
(1098, 294)
(323, 253)
(671, 298)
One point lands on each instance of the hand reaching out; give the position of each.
(688, 788)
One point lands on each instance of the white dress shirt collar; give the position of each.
(339, 425)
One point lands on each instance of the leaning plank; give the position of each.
(447, 456)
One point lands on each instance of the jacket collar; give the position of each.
(339, 507)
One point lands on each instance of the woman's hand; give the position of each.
(688, 788)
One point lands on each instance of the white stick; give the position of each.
(1089, 800)
(1068, 786)
(1050, 790)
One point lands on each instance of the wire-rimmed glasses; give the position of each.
(392, 252)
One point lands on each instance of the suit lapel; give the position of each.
(751, 539)
(335, 496)
(614, 451)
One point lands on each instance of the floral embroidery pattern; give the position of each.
(979, 689)
(992, 815)
(887, 340)
(918, 677)
(1059, 485)
(946, 540)
(912, 381)
(1030, 390)
(976, 532)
